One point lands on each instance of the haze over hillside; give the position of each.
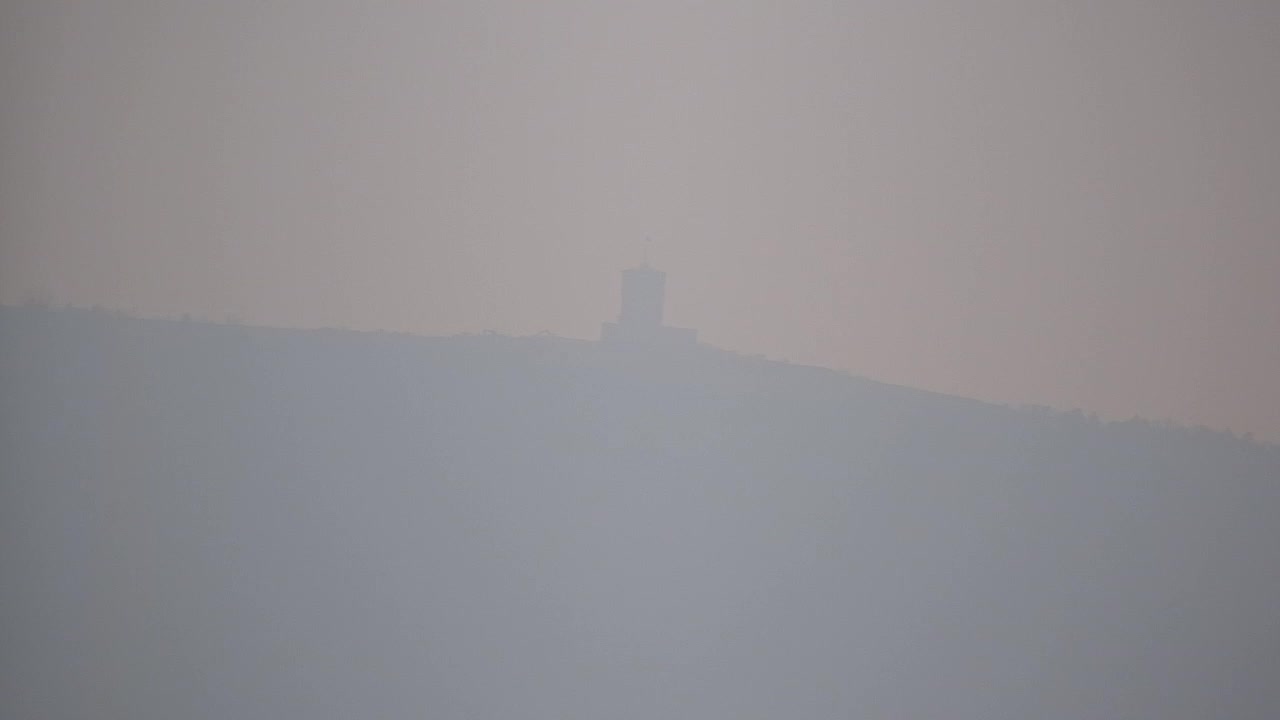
(213, 521)
(1071, 204)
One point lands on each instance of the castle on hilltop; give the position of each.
(640, 320)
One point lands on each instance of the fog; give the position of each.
(210, 521)
(1071, 205)
(957, 399)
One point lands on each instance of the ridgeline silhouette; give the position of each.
(213, 521)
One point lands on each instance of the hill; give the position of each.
(211, 521)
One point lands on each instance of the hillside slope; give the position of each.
(204, 521)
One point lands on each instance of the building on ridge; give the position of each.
(640, 319)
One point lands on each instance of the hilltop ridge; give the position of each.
(274, 523)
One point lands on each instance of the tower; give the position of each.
(643, 294)
(640, 318)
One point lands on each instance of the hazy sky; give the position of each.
(1075, 204)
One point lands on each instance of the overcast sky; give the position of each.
(1075, 204)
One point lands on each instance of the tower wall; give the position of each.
(643, 291)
